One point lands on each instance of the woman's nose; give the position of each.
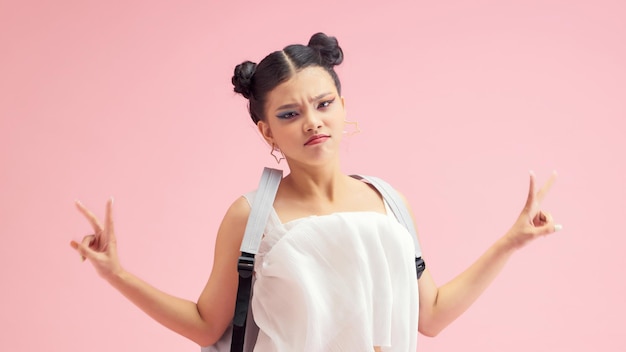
(312, 121)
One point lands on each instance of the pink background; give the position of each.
(456, 100)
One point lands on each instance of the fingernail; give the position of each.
(558, 227)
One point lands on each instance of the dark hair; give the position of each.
(254, 81)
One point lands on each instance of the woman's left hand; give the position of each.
(533, 221)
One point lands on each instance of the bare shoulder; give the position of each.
(217, 301)
(406, 203)
(233, 225)
(402, 197)
(365, 196)
(229, 236)
(239, 209)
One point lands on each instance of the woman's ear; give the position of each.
(265, 131)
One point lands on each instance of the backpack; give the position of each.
(241, 334)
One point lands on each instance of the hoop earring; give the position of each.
(277, 158)
(354, 130)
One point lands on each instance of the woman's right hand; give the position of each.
(100, 247)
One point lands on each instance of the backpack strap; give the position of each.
(401, 212)
(260, 210)
(259, 213)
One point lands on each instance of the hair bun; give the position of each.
(328, 48)
(242, 78)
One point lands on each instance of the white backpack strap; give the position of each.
(401, 212)
(259, 213)
(260, 209)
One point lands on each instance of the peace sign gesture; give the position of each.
(533, 222)
(100, 247)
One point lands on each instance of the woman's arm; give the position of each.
(203, 322)
(439, 306)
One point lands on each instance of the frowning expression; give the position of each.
(305, 117)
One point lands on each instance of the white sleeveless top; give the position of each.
(339, 282)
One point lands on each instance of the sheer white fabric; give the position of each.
(339, 282)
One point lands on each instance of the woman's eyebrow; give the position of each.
(292, 105)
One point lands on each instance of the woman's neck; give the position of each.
(321, 183)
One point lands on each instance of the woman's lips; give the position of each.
(317, 139)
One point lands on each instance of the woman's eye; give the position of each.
(325, 104)
(287, 115)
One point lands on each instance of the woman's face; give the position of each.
(305, 117)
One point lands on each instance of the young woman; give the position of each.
(335, 271)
